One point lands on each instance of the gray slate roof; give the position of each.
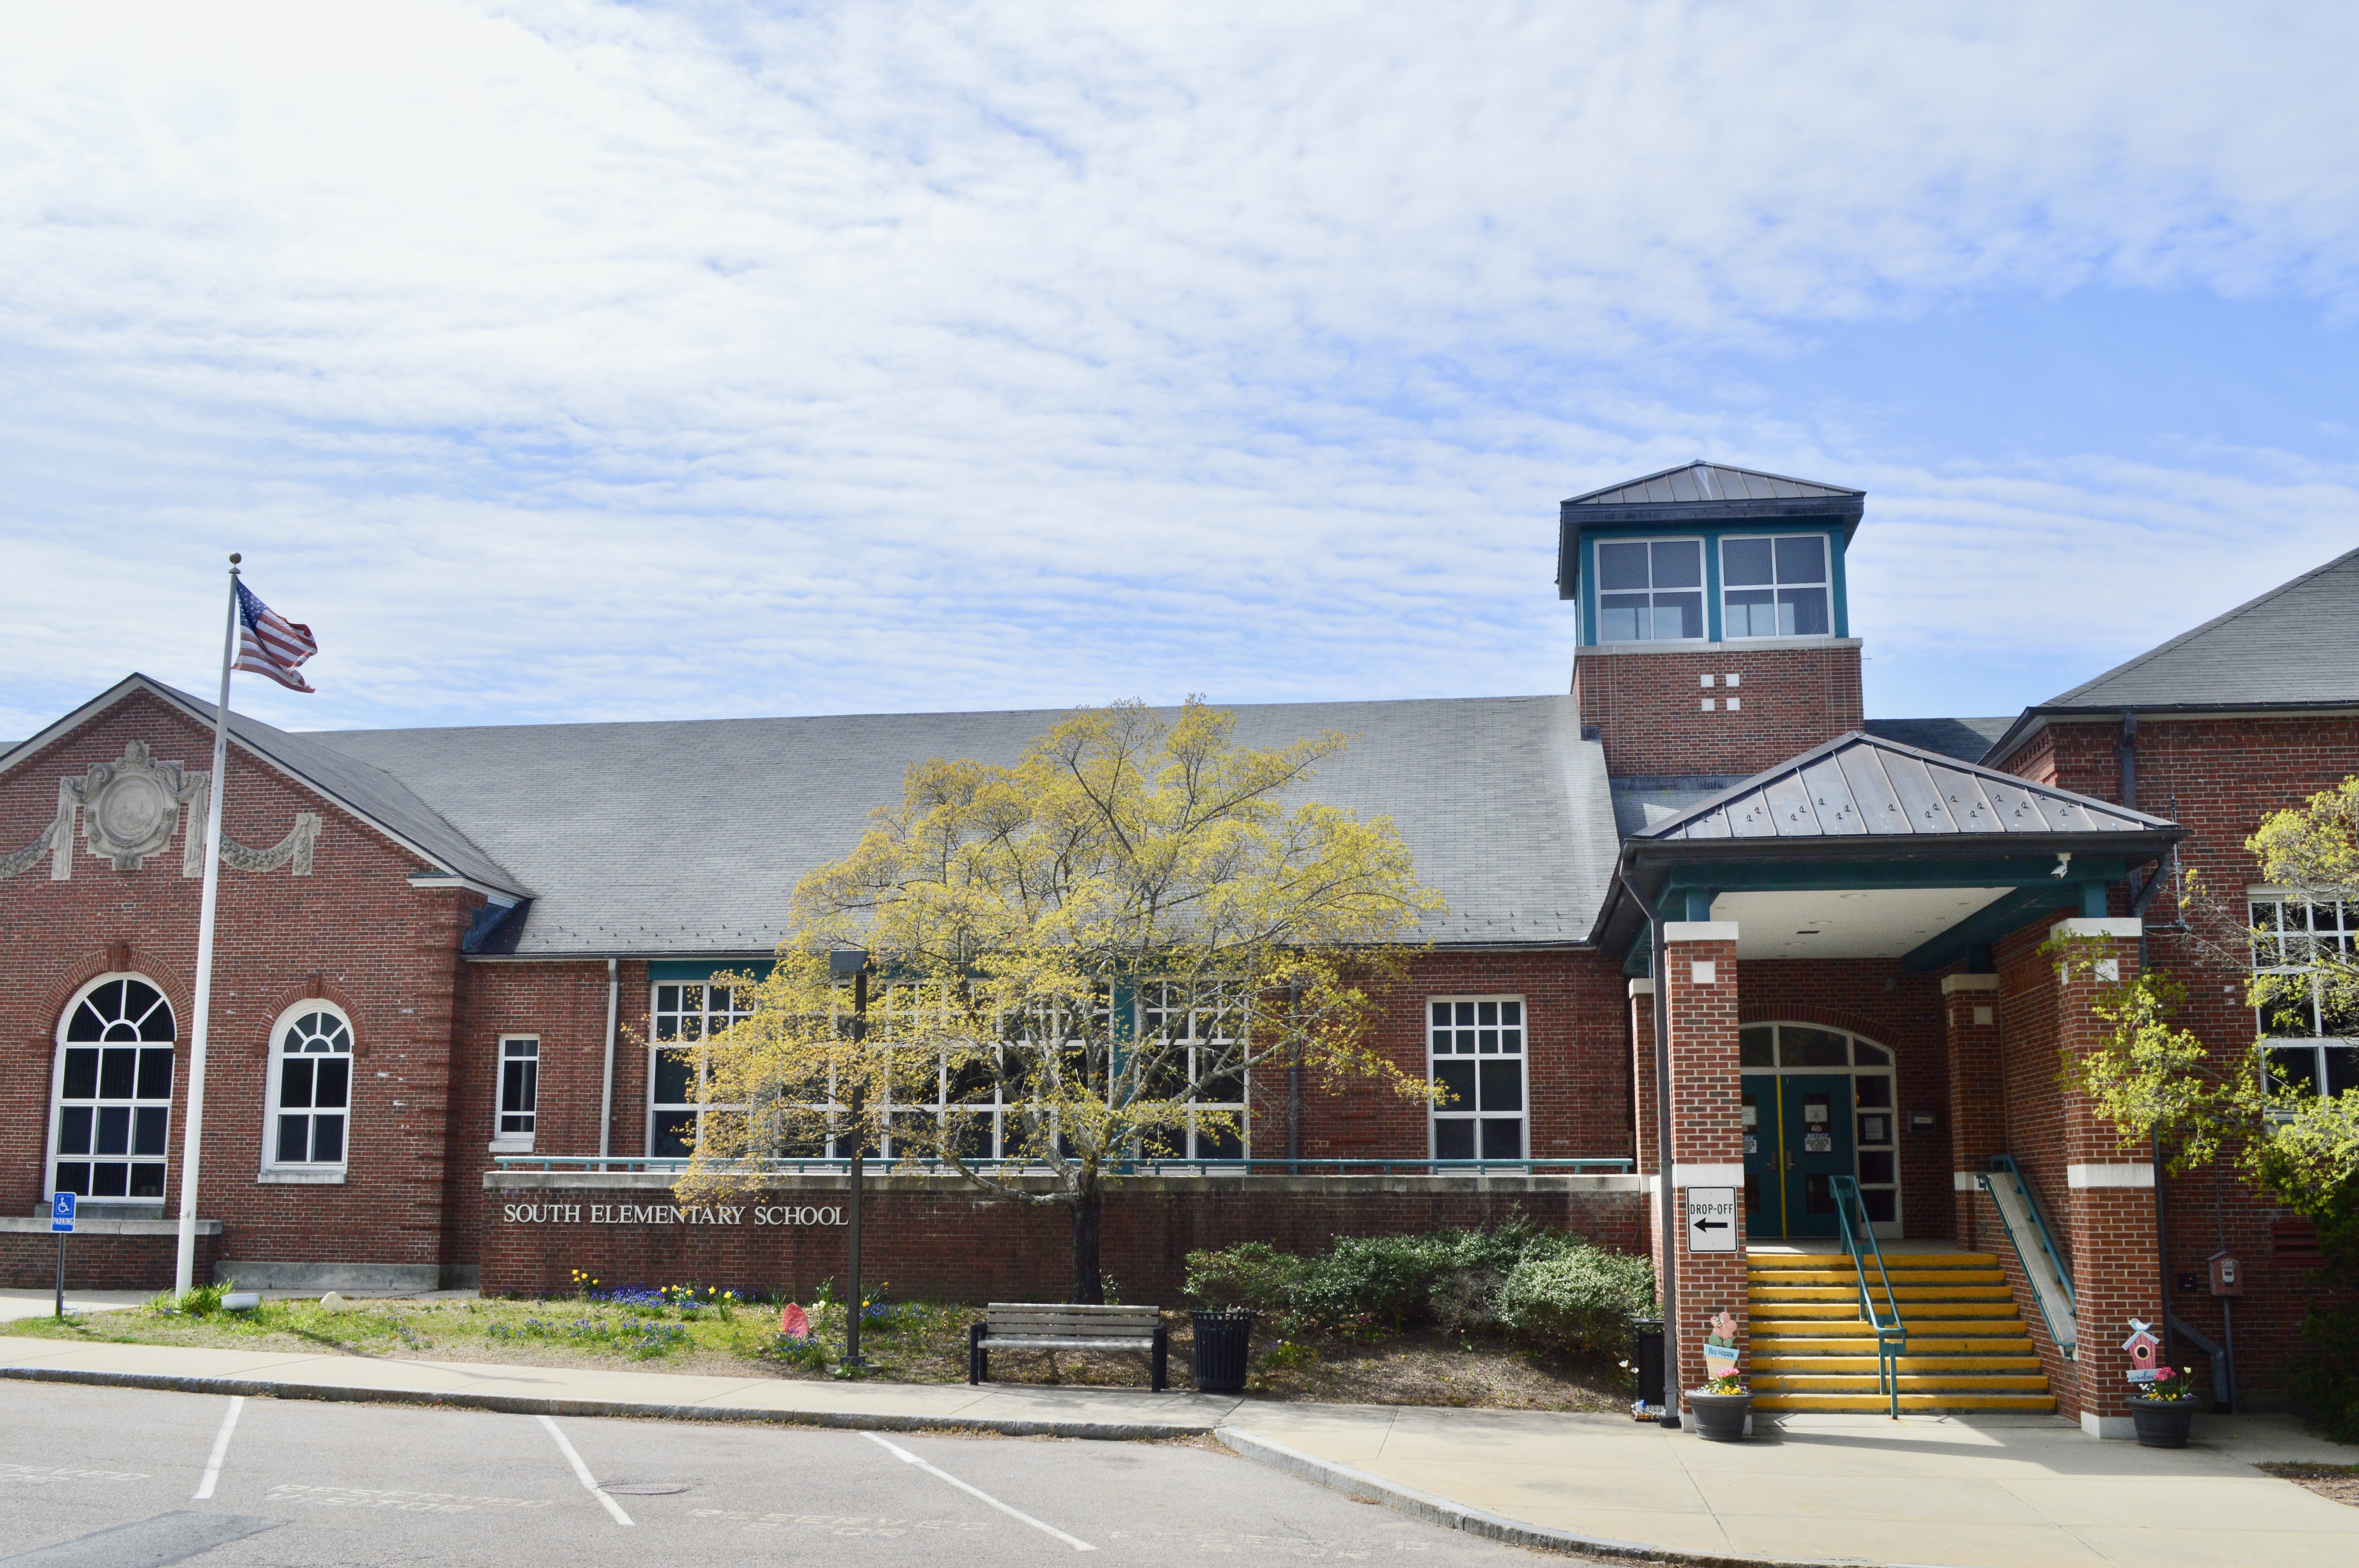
(1857, 785)
(687, 837)
(2297, 643)
(1709, 482)
(1967, 739)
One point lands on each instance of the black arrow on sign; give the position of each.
(1711, 1224)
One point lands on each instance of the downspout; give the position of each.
(1661, 967)
(1294, 1085)
(606, 1091)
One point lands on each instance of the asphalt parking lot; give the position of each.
(94, 1478)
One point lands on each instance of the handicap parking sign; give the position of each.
(61, 1212)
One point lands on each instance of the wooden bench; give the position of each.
(1031, 1325)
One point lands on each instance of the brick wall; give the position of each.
(930, 1236)
(2217, 777)
(1977, 1098)
(1650, 706)
(354, 933)
(29, 1261)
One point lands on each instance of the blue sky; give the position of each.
(558, 360)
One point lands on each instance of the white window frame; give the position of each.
(504, 1141)
(1825, 584)
(323, 1171)
(1215, 1024)
(2346, 936)
(741, 1006)
(1702, 589)
(1522, 1054)
(136, 1103)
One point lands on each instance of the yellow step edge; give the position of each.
(1760, 1277)
(1916, 1347)
(1839, 1383)
(1891, 1260)
(1775, 1293)
(1907, 1403)
(1801, 1311)
(1909, 1364)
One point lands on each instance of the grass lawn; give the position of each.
(905, 1342)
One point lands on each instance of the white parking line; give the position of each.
(221, 1449)
(908, 1458)
(582, 1470)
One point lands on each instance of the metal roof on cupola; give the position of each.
(1699, 493)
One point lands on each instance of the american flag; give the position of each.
(270, 645)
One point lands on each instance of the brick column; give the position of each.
(2109, 1203)
(1642, 1100)
(1977, 1092)
(1707, 1130)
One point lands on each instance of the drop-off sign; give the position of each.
(1712, 1219)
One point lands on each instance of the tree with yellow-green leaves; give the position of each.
(1078, 962)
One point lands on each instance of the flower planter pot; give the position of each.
(1721, 1418)
(2162, 1424)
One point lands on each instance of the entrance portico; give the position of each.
(1780, 900)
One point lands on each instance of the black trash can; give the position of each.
(1224, 1339)
(1647, 1357)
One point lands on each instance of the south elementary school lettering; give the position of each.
(667, 1214)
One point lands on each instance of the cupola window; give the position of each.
(1649, 590)
(1775, 586)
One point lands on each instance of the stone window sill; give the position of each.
(511, 1145)
(296, 1176)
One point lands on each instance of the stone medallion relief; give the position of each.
(129, 809)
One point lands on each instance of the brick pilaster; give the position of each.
(1977, 1092)
(2109, 1203)
(1707, 1132)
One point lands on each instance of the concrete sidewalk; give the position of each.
(1978, 1492)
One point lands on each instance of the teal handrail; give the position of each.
(1891, 1333)
(832, 1165)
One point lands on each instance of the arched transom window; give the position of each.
(113, 1101)
(310, 1088)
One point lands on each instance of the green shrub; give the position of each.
(1458, 1279)
(1250, 1274)
(1578, 1300)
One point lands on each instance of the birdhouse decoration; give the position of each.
(2144, 1349)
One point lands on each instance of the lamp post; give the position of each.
(853, 962)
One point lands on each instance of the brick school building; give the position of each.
(459, 973)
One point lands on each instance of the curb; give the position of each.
(1363, 1487)
(529, 1404)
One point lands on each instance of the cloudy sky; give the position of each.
(558, 360)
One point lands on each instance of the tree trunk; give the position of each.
(1089, 1284)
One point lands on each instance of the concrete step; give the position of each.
(1941, 1383)
(1996, 1290)
(1909, 1310)
(1837, 1362)
(2014, 1343)
(1879, 1402)
(1777, 1261)
(1850, 1277)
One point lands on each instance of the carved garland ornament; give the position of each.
(129, 810)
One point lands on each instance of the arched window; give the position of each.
(311, 1090)
(113, 1106)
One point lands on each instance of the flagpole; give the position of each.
(192, 1127)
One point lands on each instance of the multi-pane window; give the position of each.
(519, 1087)
(114, 1093)
(311, 1088)
(685, 1017)
(1475, 1052)
(2308, 1023)
(1649, 590)
(1202, 1039)
(1775, 586)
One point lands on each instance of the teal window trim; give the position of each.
(1711, 536)
(700, 971)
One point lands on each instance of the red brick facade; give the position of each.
(1650, 708)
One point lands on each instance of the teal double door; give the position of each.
(1798, 1139)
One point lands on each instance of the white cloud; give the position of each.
(571, 360)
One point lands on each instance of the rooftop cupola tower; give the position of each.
(1715, 636)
